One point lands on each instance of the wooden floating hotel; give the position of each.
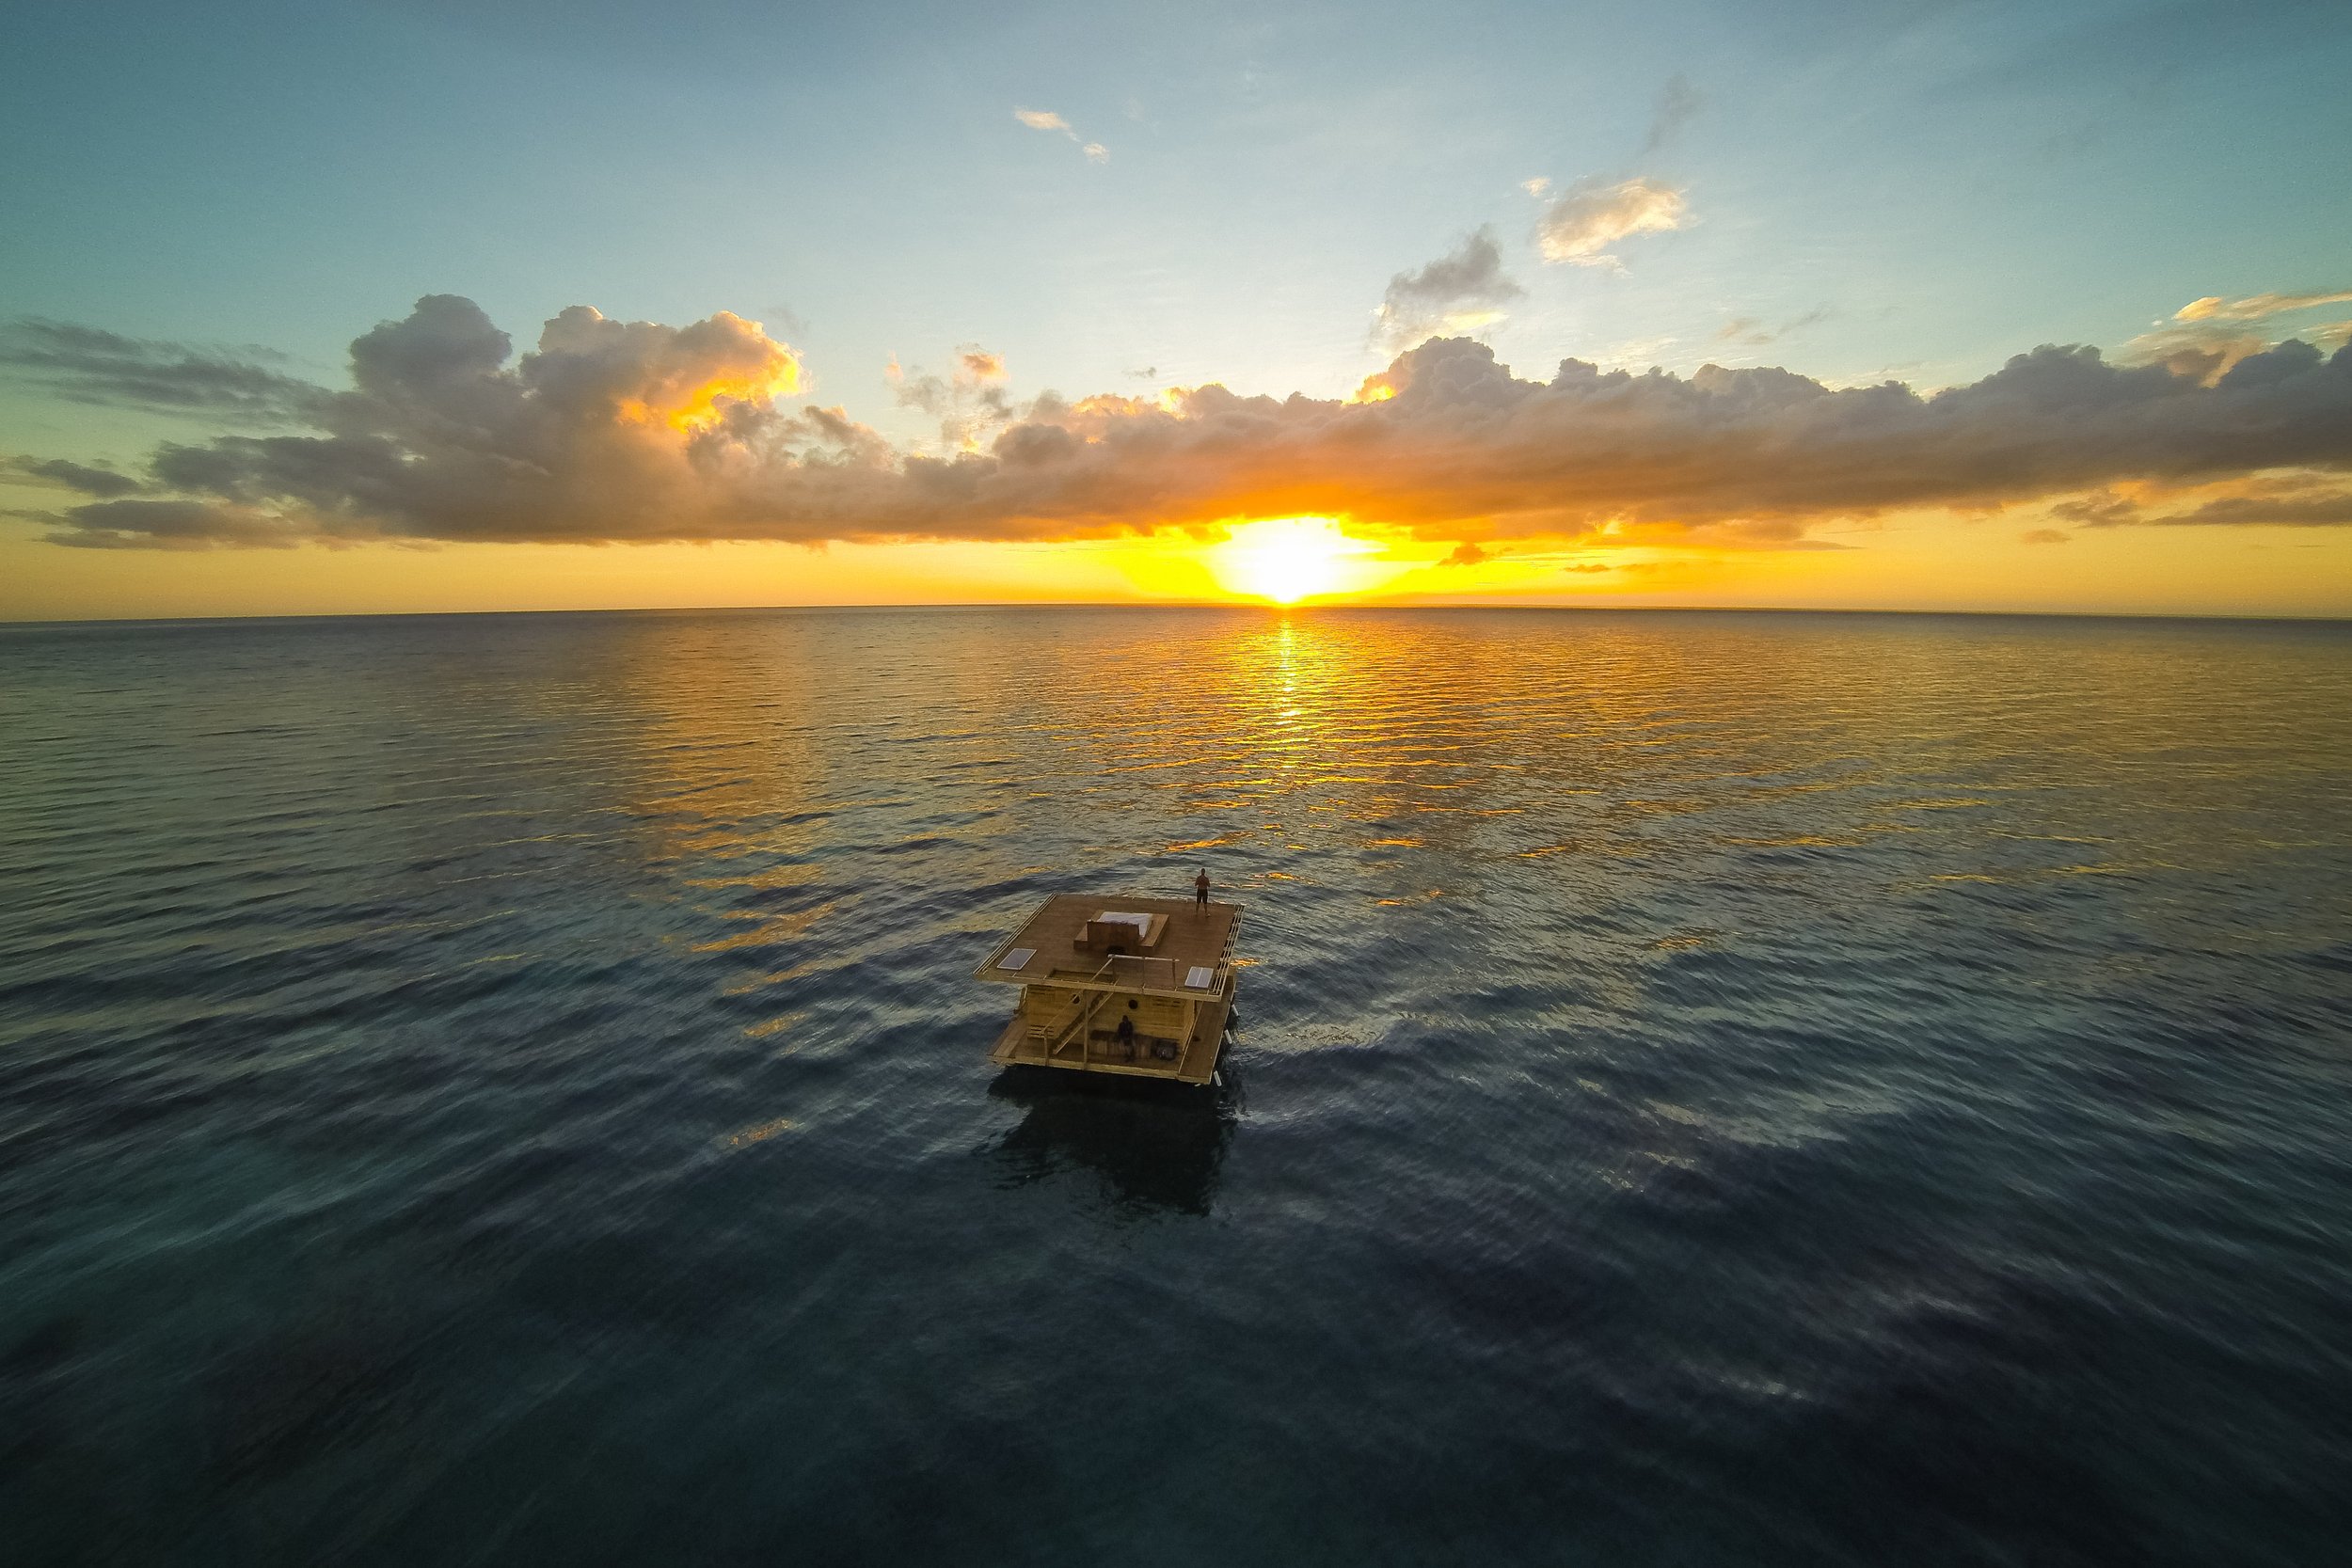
(1136, 986)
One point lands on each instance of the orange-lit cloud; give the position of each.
(1588, 217)
(613, 431)
(2205, 336)
(2256, 307)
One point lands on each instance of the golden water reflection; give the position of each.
(1522, 782)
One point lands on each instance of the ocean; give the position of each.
(1707, 1088)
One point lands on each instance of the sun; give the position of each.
(1289, 559)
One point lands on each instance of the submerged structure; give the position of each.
(1124, 985)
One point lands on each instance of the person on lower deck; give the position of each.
(1200, 890)
(1126, 1035)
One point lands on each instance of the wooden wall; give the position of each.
(1162, 1017)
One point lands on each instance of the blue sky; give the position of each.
(1854, 191)
(1940, 186)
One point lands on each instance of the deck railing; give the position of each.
(1143, 973)
(1164, 977)
(1136, 972)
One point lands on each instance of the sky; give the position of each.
(424, 305)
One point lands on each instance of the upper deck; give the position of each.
(1165, 957)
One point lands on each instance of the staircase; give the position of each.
(1070, 1026)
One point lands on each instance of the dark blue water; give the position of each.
(1709, 1089)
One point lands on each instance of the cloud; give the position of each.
(1679, 103)
(2046, 536)
(1752, 332)
(614, 430)
(969, 405)
(1589, 216)
(83, 364)
(2104, 508)
(176, 525)
(59, 472)
(1459, 292)
(2256, 307)
(1046, 120)
(2313, 508)
(2207, 336)
(2307, 499)
(789, 319)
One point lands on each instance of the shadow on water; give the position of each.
(1155, 1147)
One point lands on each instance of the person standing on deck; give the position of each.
(1200, 890)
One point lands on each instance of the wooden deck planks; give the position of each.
(1193, 936)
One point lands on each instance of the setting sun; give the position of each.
(1289, 559)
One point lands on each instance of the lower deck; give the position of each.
(1192, 1060)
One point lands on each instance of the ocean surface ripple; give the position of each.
(1709, 1088)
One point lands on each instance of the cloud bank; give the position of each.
(610, 431)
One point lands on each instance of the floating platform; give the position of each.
(1087, 963)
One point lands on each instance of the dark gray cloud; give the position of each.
(2314, 510)
(2292, 501)
(175, 524)
(84, 364)
(67, 474)
(1679, 103)
(613, 430)
(1462, 289)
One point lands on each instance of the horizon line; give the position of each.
(1262, 607)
